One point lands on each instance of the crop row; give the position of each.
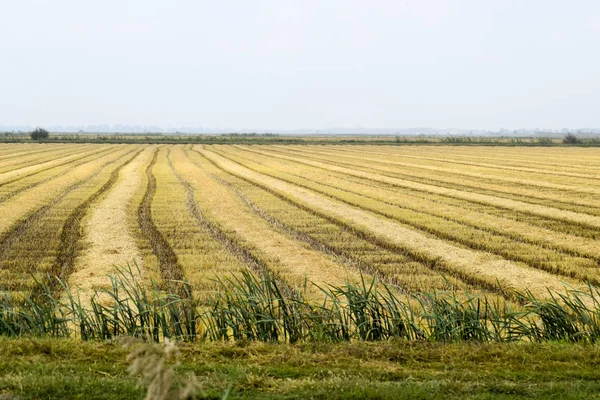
(40, 241)
(394, 265)
(200, 256)
(582, 161)
(560, 196)
(511, 248)
(480, 266)
(573, 222)
(286, 257)
(11, 187)
(36, 161)
(538, 188)
(305, 214)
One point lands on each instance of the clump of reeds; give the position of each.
(264, 308)
(126, 308)
(573, 316)
(252, 308)
(38, 314)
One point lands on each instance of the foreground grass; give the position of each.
(71, 369)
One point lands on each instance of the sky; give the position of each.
(291, 64)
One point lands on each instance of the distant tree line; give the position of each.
(42, 135)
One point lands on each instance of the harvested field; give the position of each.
(420, 218)
(109, 238)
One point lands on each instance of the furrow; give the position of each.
(245, 256)
(290, 260)
(107, 233)
(539, 249)
(584, 203)
(547, 212)
(31, 245)
(464, 261)
(25, 182)
(71, 232)
(170, 269)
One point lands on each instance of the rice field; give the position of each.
(482, 220)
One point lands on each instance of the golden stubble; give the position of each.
(26, 202)
(292, 260)
(521, 206)
(108, 237)
(540, 241)
(60, 159)
(484, 266)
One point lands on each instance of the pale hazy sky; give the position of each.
(300, 64)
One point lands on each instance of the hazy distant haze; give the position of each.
(301, 64)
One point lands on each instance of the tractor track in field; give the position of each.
(26, 166)
(433, 263)
(511, 214)
(170, 269)
(71, 232)
(474, 267)
(241, 253)
(14, 235)
(75, 165)
(451, 236)
(497, 200)
(345, 259)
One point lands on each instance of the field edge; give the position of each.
(45, 368)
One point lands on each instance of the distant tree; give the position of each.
(39, 134)
(570, 139)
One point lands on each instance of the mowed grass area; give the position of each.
(67, 369)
